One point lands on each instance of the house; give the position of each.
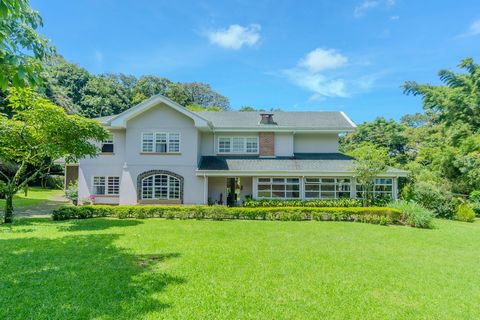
(161, 153)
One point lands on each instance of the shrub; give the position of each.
(465, 213)
(414, 214)
(71, 193)
(434, 197)
(252, 203)
(474, 196)
(378, 215)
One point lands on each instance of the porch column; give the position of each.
(353, 188)
(394, 188)
(205, 190)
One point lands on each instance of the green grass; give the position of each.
(187, 269)
(35, 196)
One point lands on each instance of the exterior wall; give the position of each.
(266, 144)
(283, 144)
(315, 143)
(246, 190)
(230, 134)
(207, 146)
(217, 186)
(127, 161)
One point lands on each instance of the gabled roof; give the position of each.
(322, 121)
(120, 120)
(316, 121)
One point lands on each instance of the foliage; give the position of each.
(253, 203)
(38, 133)
(414, 214)
(433, 196)
(370, 161)
(465, 213)
(474, 196)
(78, 91)
(380, 132)
(71, 192)
(378, 215)
(22, 49)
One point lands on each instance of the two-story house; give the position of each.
(160, 152)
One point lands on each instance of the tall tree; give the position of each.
(457, 101)
(37, 133)
(22, 49)
(104, 95)
(148, 86)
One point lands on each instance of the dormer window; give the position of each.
(238, 145)
(107, 145)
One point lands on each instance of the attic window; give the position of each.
(266, 118)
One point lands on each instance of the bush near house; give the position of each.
(253, 203)
(414, 214)
(376, 215)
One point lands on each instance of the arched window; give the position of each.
(160, 187)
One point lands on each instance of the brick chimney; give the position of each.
(266, 118)
(267, 144)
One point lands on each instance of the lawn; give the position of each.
(188, 269)
(36, 195)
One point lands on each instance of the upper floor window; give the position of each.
(106, 185)
(107, 145)
(161, 142)
(238, 145)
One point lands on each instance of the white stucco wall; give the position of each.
(315, 143)
(206, 144)
(246, 190)
(217, 186)
(128, 162)
(283, 144)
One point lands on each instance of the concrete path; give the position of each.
(41, 210)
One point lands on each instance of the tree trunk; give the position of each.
(8, 208)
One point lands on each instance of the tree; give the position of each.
(22, 49)
(246, 109)
(37, 133)
(104, 95)
(458, 101)
(148, 86)
(370, 161)
(63, 82)
(380, 132)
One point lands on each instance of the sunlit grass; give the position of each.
(187, 269)
(34, 196)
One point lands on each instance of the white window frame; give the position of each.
(244, 149)
(285, 190)
(336, 187)
(169, 142)
(167, 186)
(109, 140)
(359, 192)
(106, 185)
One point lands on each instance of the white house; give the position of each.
(161, 152)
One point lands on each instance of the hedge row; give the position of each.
(376, 215)
(253, 203)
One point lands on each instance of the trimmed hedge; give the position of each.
(253, 203)
(376, 215)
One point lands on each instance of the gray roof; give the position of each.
(308, 120)
(314, 162)
(106, 119)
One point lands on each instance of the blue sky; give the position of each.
(351, 56)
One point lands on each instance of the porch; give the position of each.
(234, 190)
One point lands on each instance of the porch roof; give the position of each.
(327, 163)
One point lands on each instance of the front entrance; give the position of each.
(233, 191)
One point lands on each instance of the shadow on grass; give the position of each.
(98, 224)
(79, 277)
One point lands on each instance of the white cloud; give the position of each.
(367, 5)
(473, 30)
(323, 59)
(235, 36)
(310, 75)
(394, 18)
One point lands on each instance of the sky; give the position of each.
(324, 55)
